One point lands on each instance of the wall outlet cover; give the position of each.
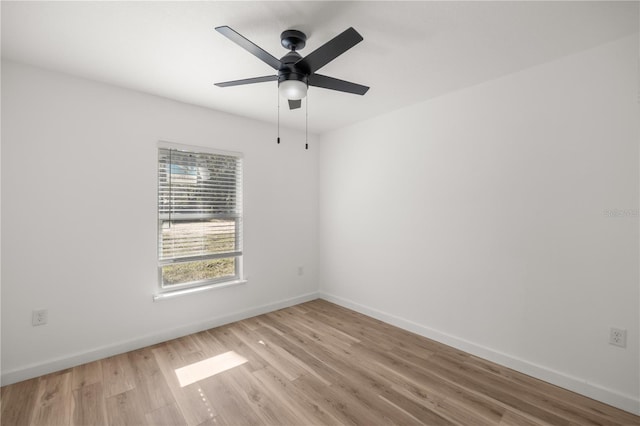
(618, 337)
(39, 317)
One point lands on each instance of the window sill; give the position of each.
(171, 294)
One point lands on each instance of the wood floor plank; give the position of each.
(588, 407)
(299, 309)
(369, 388)
(305, 407)
(378, 334)
(513, 419)
(89, 406)
(432, 391)
(188, 398)
(125, 409)
(312, 364)
(149, 380)
(258, 398)
(354, 328)
(531, 393)
(186, 345)
(210, 344)
(423, 413)
(337, 403)
(214, 421)
(373, 329)
(274, 355)
(454, 381)
(259, 322)
(53, 405)
(321, 334)
(230, 341)
(515, 400)
(18, 402)
(169, 415)
(413, 357)
(454, 387)
(86, 374)
(227, 403)
(117, 375)
(288, 315)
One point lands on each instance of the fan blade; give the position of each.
(248, 81)
(330, 50)
(255, 50)
(295, 104)
(319, 80)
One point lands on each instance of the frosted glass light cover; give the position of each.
(292, 89)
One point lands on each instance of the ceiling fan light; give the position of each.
(292, 89)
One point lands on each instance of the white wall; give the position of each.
(79, 219)
(478, 219)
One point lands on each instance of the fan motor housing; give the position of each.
(290, 59)
(289, 71)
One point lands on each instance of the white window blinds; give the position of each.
(199, 215)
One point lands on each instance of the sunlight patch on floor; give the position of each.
(208, 367)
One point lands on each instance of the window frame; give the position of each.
(166, 290)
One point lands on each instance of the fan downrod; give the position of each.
(293, 39)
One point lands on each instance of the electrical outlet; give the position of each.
(300, 270)
(39, 317)
(618, 337)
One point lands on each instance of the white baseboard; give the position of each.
(72, 360)
(575, 384)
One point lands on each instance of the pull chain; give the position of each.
(306, 122)
(278, 116)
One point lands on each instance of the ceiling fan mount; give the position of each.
(295, 73)
(293, 39)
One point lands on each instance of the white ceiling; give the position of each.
(412, 51)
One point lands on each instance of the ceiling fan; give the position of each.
(296, 73)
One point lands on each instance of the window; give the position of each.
(199, 217)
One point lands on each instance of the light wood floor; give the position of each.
(311, 364)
